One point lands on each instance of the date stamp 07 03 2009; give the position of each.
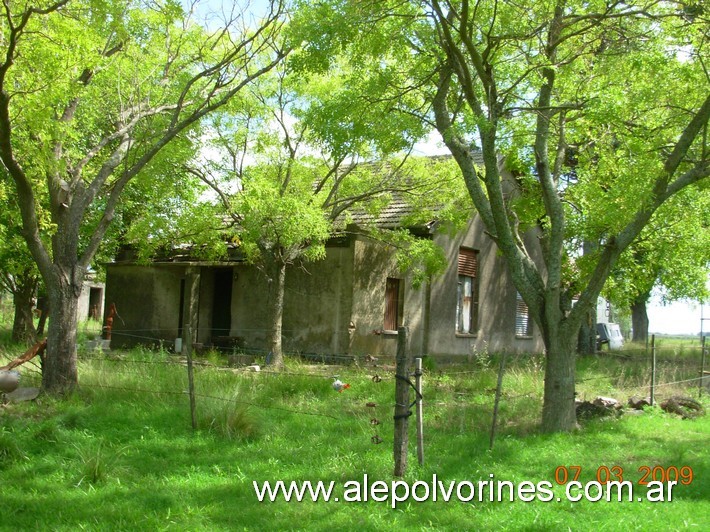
(682, 475)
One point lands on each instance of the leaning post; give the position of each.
(499, 388)
(191, 385)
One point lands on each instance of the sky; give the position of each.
(677, 318)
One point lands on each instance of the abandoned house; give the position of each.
(351, 303)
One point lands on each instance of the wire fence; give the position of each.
(117, 371)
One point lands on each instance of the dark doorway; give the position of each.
(96, 297)
(222, 302)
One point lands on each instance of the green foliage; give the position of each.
(15, 259)
(581, 98)
(279, 214)
(97, 463)
(671, 253)
(103, 101)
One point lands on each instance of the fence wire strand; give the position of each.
(326, 372)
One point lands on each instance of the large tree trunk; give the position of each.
(639, 319)
(59, 372)
(558, 409)
(277, 284)
(23, 330)
(587, 337)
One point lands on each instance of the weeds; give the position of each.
(229, 418)
(481, 357)
(47, 431)
(96, 462)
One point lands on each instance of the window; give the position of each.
(523, 323)
(467, 292)
(394, 304)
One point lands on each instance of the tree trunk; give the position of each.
(23, 330)
(59, 372)
(639, 319)
(277, 285)
(587, 337)
(43, 307)
(558, 409)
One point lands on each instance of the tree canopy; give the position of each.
(598, 109)
(94, 93)
(570, 95)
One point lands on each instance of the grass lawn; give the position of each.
(121, 453)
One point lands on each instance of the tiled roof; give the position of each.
(392, 216)
(398, 210)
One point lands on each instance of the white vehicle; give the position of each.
(610, 334)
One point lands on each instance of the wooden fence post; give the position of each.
(401, 408)
(653, 369)
(191, 385)
(499, 387)
(420, 409)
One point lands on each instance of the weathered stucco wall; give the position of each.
(147, 300)
(495, 329)
(335, 306)
(91, 300)
(374, 262)
(317, 303)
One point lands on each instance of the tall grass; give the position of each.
(121, 453)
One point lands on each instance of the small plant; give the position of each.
(97, 463)
(481, 357)
(429, 363)
(73, 418)
(229, 418)
(47, 431)
(214, 356)
(536, 362)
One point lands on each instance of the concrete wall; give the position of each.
(430, 311)
(317, 303)
(374, 262)
(147, 301)
(86, 301)
(495, 329)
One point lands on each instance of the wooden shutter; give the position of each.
(468, 262)
(391, 304)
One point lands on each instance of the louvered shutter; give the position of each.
(468, 262)
(391, 304)
(522, 318)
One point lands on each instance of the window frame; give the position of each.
(467, 311)
(394, 304)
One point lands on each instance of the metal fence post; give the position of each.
(420, 409)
